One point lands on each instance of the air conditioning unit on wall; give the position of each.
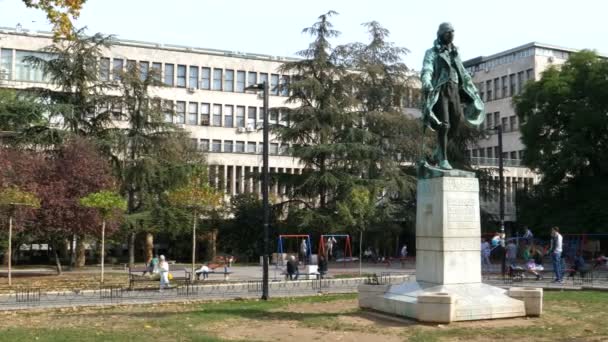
(241, 130)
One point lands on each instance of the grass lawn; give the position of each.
(568, 316)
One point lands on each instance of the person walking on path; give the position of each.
(403, 255)
(556, 254)
(511, 253)
(163, 268)
(486, 250)
(528, 236)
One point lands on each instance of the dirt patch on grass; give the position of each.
(336, 306)
(289, 331)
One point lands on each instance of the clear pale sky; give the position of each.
(483, 27)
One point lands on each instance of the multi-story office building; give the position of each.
(206, 88)
(499, 77)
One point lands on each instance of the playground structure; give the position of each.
(287, 236)
(323, 249)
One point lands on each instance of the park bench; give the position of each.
(220, 261)
(213, 270)
(138, 274)
(226, 274)
(317, 275)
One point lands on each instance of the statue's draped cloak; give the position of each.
(436, 71)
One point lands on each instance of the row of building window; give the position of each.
(229, 146)
(207, 114)
(196, 77)
(492, 152)
(172, 75)
(508, 124)
(505, 86)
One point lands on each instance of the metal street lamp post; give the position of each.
(501, 196)
(501, 200)
(266, 207)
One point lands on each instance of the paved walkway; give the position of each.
(246, 282)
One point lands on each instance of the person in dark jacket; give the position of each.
(322, 266)
(292, 268)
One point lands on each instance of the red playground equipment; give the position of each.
(326, 250)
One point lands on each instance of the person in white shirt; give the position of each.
(403, 255)
(404, 251)
(163, 268)
(204, 270)
(303, 251)
(330, 246)
(528, 236)
(556, 254)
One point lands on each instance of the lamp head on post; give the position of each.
(255, 87)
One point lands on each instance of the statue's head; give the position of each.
(445, 33)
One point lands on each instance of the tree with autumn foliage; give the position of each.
(110, 205)
(18, 169)
(201, 199)
(71, 173)
(60, 13)
(12, 198)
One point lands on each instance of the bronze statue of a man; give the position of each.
(447, 87)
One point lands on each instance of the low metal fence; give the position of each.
(25, 297)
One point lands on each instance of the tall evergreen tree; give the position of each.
(72, 66)
(349, 129)
(317, 126)
(151, 156)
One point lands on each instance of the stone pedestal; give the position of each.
(448, 283)
(532, 298)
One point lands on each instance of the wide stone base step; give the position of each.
(442, 303)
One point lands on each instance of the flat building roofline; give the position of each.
(481, 59)
(168, 47)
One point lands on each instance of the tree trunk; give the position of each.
(103, 247)
(193, 244)
(211, 245)
(80, 252)
(132, 249)
(64, 252)
(98, 252)
(10, 249)
(360, 250)
(73, 251)
(149, 250)
(57, 259)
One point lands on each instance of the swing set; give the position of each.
(347, 245)
(304, 236)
